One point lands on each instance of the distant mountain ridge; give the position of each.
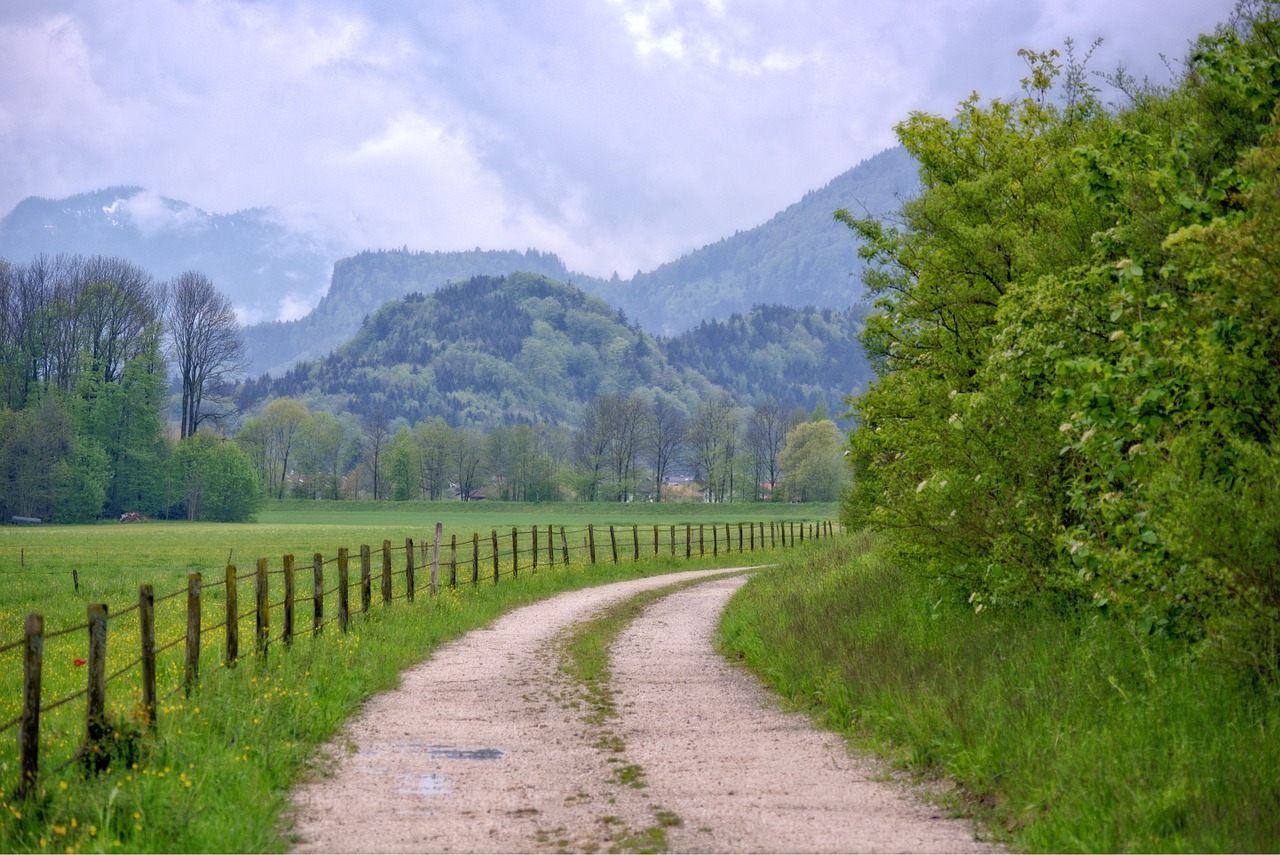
(800, 257)
(265, 267)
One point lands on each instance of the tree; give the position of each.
(206, 345)
(767, 427)
(327, 444)
(270, 440)
(377, 431)
(812, 462)
(711, 443)
(663, 439)
(214, 479)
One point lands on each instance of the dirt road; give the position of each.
(489, 747)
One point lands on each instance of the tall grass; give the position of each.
(1064, 733)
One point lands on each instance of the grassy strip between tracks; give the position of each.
(587, 651)
(217, 775)
(1063, 734)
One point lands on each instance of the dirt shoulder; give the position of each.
(484, 748)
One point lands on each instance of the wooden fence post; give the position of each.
(453, 561)
(29, 727)
(564, 546)
(366, 577)
(408, 569)
(702, 540)
(655, 541)
(494, 537)
(613, 544)
(263, 610)
(515, 555)
(688, 540)
(591, 542)
(715, 540)
(317, 593)
(635, 541)
(435, 559)
(753, 537)
(287, 622)
(147, 637)
(233, 618)
(533, 531)
(192, 671)
(96, 714)
(386, 572)
(551, 546)
(673, 541)
(728, 540)
(475, 558)
(773, 539)
(344, 589)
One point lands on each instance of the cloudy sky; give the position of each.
(616, 133)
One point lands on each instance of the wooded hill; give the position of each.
(524, 348)
(800, 257)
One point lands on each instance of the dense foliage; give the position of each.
(83, 394)
(1078, 346)
(799, 357)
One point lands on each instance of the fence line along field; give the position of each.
(152, 643)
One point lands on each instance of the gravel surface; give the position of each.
(485, 748)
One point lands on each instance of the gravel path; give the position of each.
(484, 748)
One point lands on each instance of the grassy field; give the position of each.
(1064, 734)
(215, 777)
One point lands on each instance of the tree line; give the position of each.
(1078, 339)
(84, 345)
(626, 448)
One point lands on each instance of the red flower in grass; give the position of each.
(77, 662)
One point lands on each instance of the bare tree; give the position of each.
(663, 439)
(207, 346)
(712, 445)
(767, 427)
(377, 432)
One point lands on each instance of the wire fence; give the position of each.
(240, 605)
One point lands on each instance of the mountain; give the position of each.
(492, 350)
(800, 257)
(369, 279)
(267, 269)
(524, 348)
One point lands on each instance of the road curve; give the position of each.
(484, 748)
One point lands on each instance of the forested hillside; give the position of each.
(489, 351)
(522, 348)
(365, 281)
(802, 358)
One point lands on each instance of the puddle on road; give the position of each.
(424, 785)
(447, 752)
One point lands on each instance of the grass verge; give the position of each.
(216, 776)
(1063, 734)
